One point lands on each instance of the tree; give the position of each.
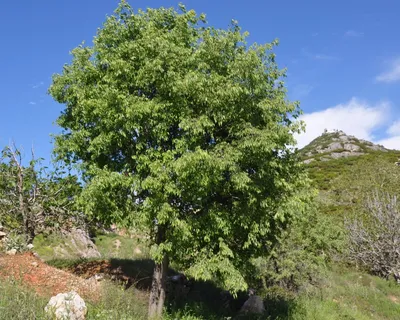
(32, 198)
(185, 131)
(375, 237)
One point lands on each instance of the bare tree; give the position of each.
(31, 197)
(375, 237)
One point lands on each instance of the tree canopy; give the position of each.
(183, 130)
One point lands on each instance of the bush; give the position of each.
(16, 241)
(300, 257)
(375, 236)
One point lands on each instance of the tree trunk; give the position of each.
(158, 286)
(158, 289)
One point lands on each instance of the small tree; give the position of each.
(375, 237)
(185, 131)
(32, 199)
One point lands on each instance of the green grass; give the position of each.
(344, 294)
(129, 248)
(109, 245)
(347, 294)
(18, 302)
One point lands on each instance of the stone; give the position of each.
(117, 244)
(11, 252)
(30, 246)
(66, 306)
(351, 147)
(2, 234)
(76, 243)
(35, 264)
(308, 161)
(253, 305)
(377, 147)
(333, 146)
(345, 154)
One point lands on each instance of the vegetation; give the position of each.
(301, 258)
(33, 200)
(183, 131)
(344, 294)
(184, 134)
(375, 238)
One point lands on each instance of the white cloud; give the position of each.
(317, 56)
(353, 33)
(324, 57)
(393, 140)
(390, 143)
(355, 117)
(391, 75)
(37, 85)
(32, 103)
(394, 129)
(302, 90)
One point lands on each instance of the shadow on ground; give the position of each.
(199, 298)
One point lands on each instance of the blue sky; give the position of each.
(343, 59)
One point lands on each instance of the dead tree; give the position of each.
(375, 238)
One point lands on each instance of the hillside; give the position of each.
(338, 162)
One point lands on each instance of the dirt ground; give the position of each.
(29, 271)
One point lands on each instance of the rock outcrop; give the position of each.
(335, 145)
(253, 305)
(77, 243)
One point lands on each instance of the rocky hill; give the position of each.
(335, 145)
(347, 170)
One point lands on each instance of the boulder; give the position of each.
(308, 161)
(67, 306)
(76, 243)
(253, 305)
(11, 252)
(351, 147)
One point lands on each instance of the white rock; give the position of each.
(67, 306)
(2, 234)
(30, 246)
(11, 252)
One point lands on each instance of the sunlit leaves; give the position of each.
(181, 125)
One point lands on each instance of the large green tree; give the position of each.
(185, 131)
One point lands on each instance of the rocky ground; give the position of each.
(30, 271)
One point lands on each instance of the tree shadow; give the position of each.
(137, 273)
(202, 299)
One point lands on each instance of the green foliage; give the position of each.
(184, 131)
(16, 241)
(346, 183)
(301, 256)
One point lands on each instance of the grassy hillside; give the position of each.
(346, 178)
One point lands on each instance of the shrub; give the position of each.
(375, 236)
(300, 257)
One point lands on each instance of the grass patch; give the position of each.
(346, 294)
(122, 247)
(18, 302)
